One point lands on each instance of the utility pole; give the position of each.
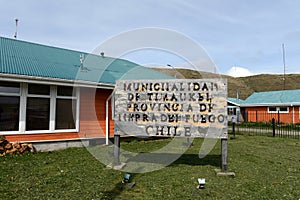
(16, 33)
(173, 69)
(284, 69)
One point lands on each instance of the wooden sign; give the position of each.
(171, 108)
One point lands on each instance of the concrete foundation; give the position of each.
(64, 144)
(219, 172)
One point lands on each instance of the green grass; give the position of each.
(265, 168)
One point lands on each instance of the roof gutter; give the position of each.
(234, 103)
(54, 81)
(271, 104)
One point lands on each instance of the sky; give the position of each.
(241, 37)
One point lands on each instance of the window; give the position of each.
(282, 109)
(9, 113)
(65, 108)
(38, 89)
(37, 114)
(231, 111)
(38, 108)
(9, 87)
(9, 106)
(272, 109)
(65, 91)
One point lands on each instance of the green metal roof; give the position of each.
(274, 97)
(30, 59)
(235, 101)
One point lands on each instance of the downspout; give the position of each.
(106, 118)
(293, 114)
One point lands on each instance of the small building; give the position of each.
(59, 96)
(283, 106)
(233, 109)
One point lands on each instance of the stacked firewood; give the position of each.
(12, 148)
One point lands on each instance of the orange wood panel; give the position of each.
(261, 114)
(41, 137)
(92, 112)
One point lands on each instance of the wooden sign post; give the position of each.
(224, 146)
(116, 149)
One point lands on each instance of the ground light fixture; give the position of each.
(201, 182)
(126, 178)
(126, 181)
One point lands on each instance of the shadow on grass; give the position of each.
(185, 159)
(166, 158)
(113, 193)
(193, 159)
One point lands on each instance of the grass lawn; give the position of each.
(265, 168)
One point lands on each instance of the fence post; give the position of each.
(233, 129)
(256, 116)
(273, 126)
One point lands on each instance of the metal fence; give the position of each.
(267, 124)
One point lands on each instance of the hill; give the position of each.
(245, 85)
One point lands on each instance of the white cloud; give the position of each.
(239, 72)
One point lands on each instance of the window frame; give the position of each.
(278, 109)
(23, 94)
